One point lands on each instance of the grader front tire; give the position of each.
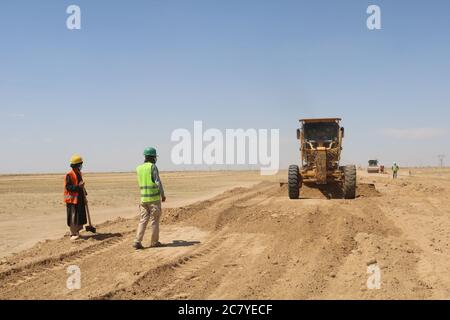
(294, 182)
(349, 185)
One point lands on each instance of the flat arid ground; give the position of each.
(231, 235)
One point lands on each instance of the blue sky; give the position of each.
(137, 70)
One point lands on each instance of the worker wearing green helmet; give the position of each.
(150, 152)
(152, 194)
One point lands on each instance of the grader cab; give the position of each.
(321, 146)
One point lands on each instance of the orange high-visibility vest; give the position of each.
(71, 197)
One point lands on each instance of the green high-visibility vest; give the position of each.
(149, 189)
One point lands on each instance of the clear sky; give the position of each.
(137, 70)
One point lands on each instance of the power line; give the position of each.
(441, 158)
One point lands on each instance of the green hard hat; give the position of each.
(150, 152)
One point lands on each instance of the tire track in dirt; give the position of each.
(376, 241)
(428, 246)
(96, 267)
(39, 273)
(177, 270)
(299, 265)
(50, 251)
(15, 276)
(191, 275)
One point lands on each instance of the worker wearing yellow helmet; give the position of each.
(74, 197)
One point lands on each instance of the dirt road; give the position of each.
(254, 243)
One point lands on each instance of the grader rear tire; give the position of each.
(349, 185)
(294, 182)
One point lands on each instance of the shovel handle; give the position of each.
(87, 207)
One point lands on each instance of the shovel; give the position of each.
(90, 227)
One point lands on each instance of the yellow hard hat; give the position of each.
(76, 159)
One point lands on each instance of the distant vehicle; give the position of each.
(373, 167)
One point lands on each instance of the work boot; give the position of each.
(156, 245)
(138, 246)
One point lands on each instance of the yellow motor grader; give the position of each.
(321, 146)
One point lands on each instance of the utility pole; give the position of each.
(441, 158)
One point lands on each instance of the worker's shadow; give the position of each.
(180, 243)
(101, 236)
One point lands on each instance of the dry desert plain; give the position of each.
(231, 235)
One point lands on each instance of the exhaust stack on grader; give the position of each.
(321, 146)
